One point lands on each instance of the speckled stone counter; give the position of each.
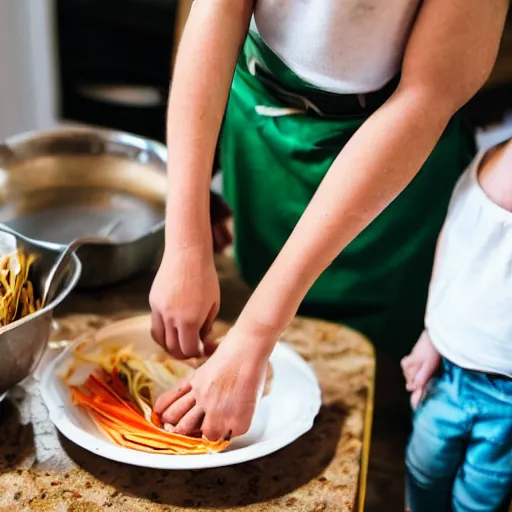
(42, 471)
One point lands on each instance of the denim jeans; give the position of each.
(459, 456)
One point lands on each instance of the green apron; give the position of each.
(275, 149)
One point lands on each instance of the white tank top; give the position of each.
(342, 46)
(469, 311)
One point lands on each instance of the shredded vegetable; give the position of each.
(119, 396)
(16, 291)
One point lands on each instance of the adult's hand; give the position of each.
(185, 299)
(219, 400)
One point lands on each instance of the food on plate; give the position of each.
(17, 298)
(109, 403)
(119, 393)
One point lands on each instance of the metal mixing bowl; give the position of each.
(69, 183)
(23, 342)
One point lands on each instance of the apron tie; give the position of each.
(253, 63)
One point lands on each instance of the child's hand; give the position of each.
(419, 366)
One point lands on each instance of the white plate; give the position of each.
(281, 417)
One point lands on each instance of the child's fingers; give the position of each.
(410, 374)
(410, 385)
(416, 397)
(405, 363)
(425, 372)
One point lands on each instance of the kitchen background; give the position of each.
(89, 61)
(108, 63)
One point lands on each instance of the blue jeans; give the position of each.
(459, 456)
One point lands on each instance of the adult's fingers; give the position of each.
(190, 422)
(178, 409)
(210, 319)
(165, 400)
(165, 334)
(213, 427)
(190, 344)
(241, 422)
(157, 328)
(217, 428)
(209, 344)
(172, 341)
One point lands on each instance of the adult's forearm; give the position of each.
(204, 69)
(374, 167)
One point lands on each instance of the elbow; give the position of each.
(456, 94)
(437, 99)
(431, 105)
(444, 95)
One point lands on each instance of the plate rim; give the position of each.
(184, 462)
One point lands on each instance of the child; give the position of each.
(459, 456)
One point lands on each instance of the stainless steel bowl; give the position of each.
(23, 343)
(69, 183)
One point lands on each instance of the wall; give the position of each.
(28, 85)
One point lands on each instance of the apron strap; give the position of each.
(320, 103)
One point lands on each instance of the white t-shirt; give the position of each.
(342, 46)
(469, 311)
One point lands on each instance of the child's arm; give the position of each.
(419, 366)
(495, 178)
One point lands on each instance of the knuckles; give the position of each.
(180, 317)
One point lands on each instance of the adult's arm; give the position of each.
(204, 68)
(185, 294)
(449, 56)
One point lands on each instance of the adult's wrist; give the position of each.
(261, 325)
(257, 342)
(188, 225)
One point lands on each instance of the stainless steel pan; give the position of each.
(60, 185)
(23, 342)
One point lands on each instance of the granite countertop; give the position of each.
(42, 471)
